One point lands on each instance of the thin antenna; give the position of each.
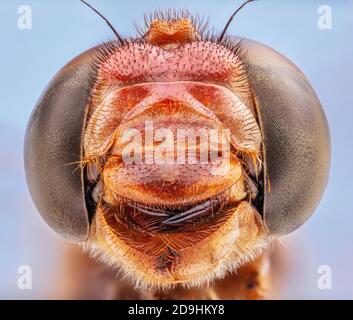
(121, 40)
(232, 17)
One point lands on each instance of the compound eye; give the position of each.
(52, 151)
(296, 140)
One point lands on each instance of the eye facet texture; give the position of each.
(53, 150)
(296, 139)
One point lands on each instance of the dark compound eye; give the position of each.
(296, 139)
(53, 150)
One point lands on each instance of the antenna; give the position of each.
(232, 17)
(121, 40)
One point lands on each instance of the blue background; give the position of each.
(63, 29)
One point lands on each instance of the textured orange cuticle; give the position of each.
(174, 79)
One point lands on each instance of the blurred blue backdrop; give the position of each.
(63, 29)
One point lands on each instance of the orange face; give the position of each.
(172, 139)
